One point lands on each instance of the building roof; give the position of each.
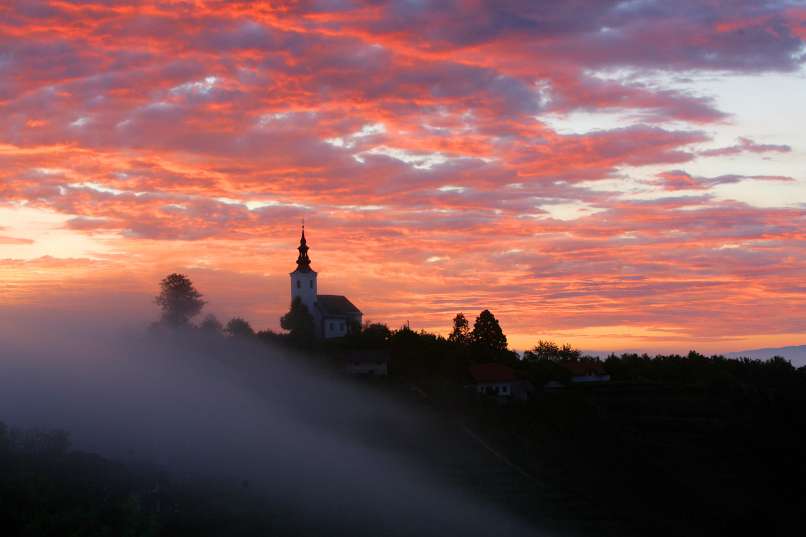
(492, 372)
(303, 261)
(336, 305)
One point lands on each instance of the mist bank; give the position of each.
(795, 354)
(310, 442)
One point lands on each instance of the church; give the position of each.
(333, 315)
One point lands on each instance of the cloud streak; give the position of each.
(746, 145)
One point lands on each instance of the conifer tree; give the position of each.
(487, 334)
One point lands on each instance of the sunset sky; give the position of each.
(618, 175)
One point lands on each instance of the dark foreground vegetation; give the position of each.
(47, 489)
(673, 445)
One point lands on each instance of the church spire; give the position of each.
(303, 261)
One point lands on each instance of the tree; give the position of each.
(570, 354)
(544, 350)
(211, 325)
(238, 327)
(487, 334)
(298, 321)
(179, 300)
(461, 330)
(548, 350)
(375, 335)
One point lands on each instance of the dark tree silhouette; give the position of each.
(570, 354)
(179, 300)
(211, 325)
(548, 350)
(487, 334)
(376, 335)
(461, 330)
(544, 350)
(238, 327)
(298, 321)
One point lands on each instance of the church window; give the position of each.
(310, 284)
(331, 326)
(299, 284)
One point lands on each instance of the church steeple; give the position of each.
(303, 261)
(303, 279)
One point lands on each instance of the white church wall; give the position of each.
(303, 285)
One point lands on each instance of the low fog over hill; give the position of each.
(325, 452)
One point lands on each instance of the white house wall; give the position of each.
(334, 327)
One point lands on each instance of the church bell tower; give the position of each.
(303, 279)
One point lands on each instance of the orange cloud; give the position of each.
(194, 136)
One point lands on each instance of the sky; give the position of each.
(614, 174)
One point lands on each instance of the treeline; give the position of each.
(424, 355)
(413, 353)
(697, 369)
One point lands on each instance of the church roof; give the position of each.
(303, 261)
(336, 305)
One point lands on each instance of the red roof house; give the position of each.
(498, 380)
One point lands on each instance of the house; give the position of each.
(499, 380)
(333, 315)
(586, 371)
(367, 362)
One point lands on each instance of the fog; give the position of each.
(332, 451)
